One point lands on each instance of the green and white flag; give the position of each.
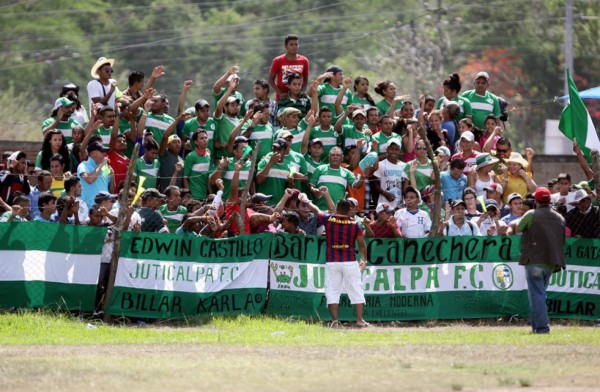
(576, 123)
(49, 265)
(173, 276)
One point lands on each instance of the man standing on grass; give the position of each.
(342, 270)
(542, 254)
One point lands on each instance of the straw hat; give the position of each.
(99, 63)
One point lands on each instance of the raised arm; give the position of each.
(340, 97)
(182, 97)
(223, 79)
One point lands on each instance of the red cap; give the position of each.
(542, 195)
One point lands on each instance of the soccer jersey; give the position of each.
(262, 133)
(192, 125)
(227, 176)
(469, 161)
(119, 164)
(148, 170)
(391, 178)
(328, 137)
(197, 169)
(297, 133)
(302, 104)
(311, 164)
(336, 180)
(413, 224)
(66, 127)
(236, 94)
(158, 124)
(356, 100)
(422, 174)
(328, 94)
(384, 106)
(351, 135)
(464, 103)
(173, 218)
(382, 141)
(341, 232)
(104, 133)
(276, 180)
(225, 125)
(482, 106)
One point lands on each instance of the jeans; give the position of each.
(538, 277)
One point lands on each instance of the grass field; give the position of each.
(56, 352)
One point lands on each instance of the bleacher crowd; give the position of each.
(316, 141)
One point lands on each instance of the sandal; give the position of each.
(335, 324)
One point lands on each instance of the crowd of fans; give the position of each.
(316, 141)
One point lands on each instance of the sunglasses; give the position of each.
(502, 151)
(421, 148)
(108, 70)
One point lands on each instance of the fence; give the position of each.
(172, 276)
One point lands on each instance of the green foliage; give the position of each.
(46, 44)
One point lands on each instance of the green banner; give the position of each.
(49, 265)
(437, 278)
(172, 276)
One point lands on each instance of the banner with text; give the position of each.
(49, 265)
(172, 276)
(437, 278)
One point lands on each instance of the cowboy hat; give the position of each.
(99, 63)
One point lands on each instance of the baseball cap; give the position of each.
(233, 99)
(580, 195)
(103, 196)
(484, 160)
(395, 141)
(491, 203)
(513, 196)
(63, 101)
(259, 197)
(468, 136)
(482, 74)
(171, 138)
(384, 207)
(153, 192)
(201, 103)
(583, 185)
(428, 190)
(412, 189)
(494, 187)
(285, 134)
(279, 143)
(315, 141)
(542, 195)
(353, 201)
(96, 147)
(458, 202)
(233, 76)
(443, 150)
(359, 111)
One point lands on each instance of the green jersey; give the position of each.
(297, 133)
(422, 175)
(227, 176)
(336, 180)
(262, 133)
(197, 169)
(464, 103)
(225, 125)
(66, 127)
(311, 164)
(384, 106)
(105, 135)
(192, 125)
(158, 124)
(329, 139)
(302, 104)
(236, 94)
(356, 100)
(482, 106)
(173, 218)
(382, 141)
(328, 94)
(351, 135)
(277, 178)
(148, 170)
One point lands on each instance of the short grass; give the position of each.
(57, 352)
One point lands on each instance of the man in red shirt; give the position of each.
(286, 63)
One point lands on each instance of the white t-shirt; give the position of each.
(415, 224)
(96, 89)
(568, 199)
(391, 177)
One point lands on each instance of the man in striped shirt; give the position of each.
(482, 101)
(341, 269)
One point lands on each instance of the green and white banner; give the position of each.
(49, 265)
(171, 276)
(438, 278)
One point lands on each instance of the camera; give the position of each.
(503, 112)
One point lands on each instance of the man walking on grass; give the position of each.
(342, 270)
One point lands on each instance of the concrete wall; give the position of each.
(546, 167)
